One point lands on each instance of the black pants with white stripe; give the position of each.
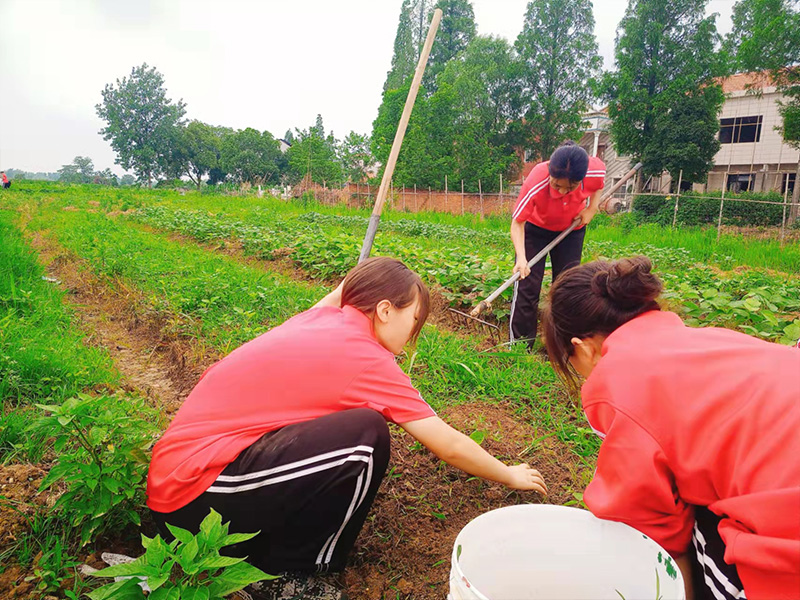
(307, 488)
(713, 578)
(525, 307)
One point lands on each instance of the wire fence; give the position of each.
(727, 205)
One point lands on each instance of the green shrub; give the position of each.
(703, 209)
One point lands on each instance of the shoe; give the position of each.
(294, 587)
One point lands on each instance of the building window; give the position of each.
(740, 130)
(528, 155)
(741, 182)
(788, 179)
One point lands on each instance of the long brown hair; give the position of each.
(384, 278)
(595, 298)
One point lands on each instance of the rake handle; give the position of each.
(487, 303)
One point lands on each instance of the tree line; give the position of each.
(148, 132)
(485, 100)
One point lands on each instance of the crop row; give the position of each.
(756, 302)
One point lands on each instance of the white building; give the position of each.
(753, 155)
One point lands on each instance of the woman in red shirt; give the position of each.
(700, 427)
(287, 435)
(557, 191)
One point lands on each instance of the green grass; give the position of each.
(42, 352)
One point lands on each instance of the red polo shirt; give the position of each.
(701, 417)
(319, 362)
(540, 204)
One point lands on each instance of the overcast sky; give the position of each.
(266, 64)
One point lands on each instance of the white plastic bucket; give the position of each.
(547, 552)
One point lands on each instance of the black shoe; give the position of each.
(293, 587)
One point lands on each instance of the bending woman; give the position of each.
(700, 428)
(557, 191)
(287, 435)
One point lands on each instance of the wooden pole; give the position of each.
(480, 195)
(608, 195)
(721, 205)
(462, 197)
(372, 228)
(445, 193)
(404, 198)
(415, 198)
(429, 197)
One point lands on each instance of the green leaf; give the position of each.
(195, 593)
(180, 534)
(237, 538)
(166, 593)
(120, 590)
(235, 578)
(134, 568)
(217, 562)
(478, 436)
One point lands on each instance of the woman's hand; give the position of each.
(524, 477)
(586, 215)
(521, 267)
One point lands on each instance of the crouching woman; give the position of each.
(287, 435)
(699, 425)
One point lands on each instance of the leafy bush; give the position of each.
(101, 444)
(703, 209)
(188, 567)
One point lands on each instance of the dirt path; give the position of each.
(162, 369)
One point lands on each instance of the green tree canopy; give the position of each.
(411, 31)
(81, 170)
(140, 120)
(251, 156)
(456, 31)
(559, 51)
(314, 154)
(196, 151)
(666, 62)
(766, 37)
(356, 157)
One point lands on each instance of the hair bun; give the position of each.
(628, 283)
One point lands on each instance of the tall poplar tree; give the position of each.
(411, 32)
(663, 98)
(559, 51)
(456, 31)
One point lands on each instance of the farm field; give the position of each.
(113, 302)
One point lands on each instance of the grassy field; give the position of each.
(113, 301)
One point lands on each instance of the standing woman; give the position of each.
(700, 428)
(287, 435)
(557, 191)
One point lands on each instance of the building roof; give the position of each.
(741, 82)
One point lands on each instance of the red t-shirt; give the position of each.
(540, 204)
(701, 417)
(319, 362)
(5, 179)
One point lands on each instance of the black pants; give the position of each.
(525, 306)
(307, 488)
(7, 185)
(714, 579)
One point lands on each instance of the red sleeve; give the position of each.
(595, 176)
(634, 484)
(534, 184)
(385, 388)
